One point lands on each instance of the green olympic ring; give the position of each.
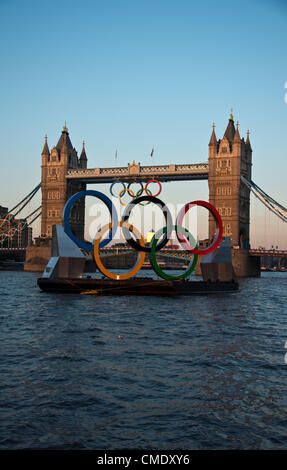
(155, 265)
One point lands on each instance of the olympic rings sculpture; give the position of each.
(139, 192)
(159, 240)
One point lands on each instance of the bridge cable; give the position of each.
(24, 201)
(20, 226)
(264, 199)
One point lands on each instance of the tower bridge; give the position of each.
(228, 172)
(64, 174)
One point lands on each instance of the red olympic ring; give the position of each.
(153, 181)
(219, 227)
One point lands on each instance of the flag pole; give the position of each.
(152, 152)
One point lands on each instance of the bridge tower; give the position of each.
(56, 190)
(229, 158)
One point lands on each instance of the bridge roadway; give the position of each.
(173, 251)
(137, 173)
(186, 254)
(275, 253)
(166, 252)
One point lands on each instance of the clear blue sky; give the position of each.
(130, 75)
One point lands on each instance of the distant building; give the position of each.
(14, 233)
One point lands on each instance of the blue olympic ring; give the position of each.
(112, 185)
(112, 210)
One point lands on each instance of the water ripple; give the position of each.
(83, 372)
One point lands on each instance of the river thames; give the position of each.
(95, 372)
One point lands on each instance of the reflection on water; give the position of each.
(88, 372)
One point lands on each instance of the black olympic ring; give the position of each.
(168, 220)
(140, 191)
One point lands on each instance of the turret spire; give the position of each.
(213, 140)
(230, 130)
(247, 140)
(83, 157)
(46, 150)
(237, 135)
(64, 142)
(65, 129)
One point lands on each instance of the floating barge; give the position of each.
(135, 286)
(64, 274)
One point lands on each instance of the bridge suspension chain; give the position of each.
(20, 206)
(20, 226)
(10, 226)
(273, 206)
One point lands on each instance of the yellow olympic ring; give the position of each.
(131, 193)
(140, 258)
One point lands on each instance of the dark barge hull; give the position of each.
(137, 286)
